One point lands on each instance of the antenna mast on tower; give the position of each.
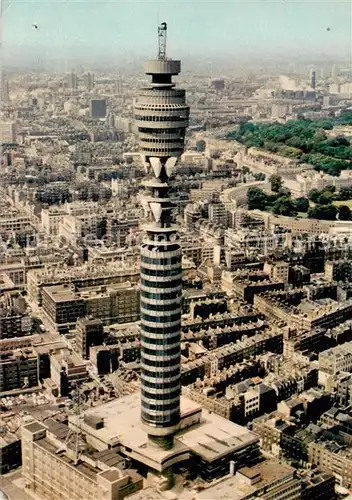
(162, 31)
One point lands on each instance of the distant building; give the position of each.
(18, 369)
(312, 79)
(65, 304)
(10, 442)
(268, 480)
(89, 81)
(8, 132)
(218, 83)
(97, 108)
(277, 271)
(124, 124)
(334, 458)
(110, 120)
(4, 89)
(334, 88)
(51, 218)
(335, 360)
(89, 332)
(67, 370)
(340, 270)
(279, 110)
(245, 284)
(118, 86)
(82, 277)
(72, 81)
(319, 180)
(306, 314)
(217, 213)
(14, 323)
(326, 101)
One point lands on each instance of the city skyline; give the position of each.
(175, 251)
(238, 29)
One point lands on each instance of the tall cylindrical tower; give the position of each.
(161, 116)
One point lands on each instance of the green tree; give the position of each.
(302, 139)
(284, 206)
(302, 204)
(319, 135)
(294, 142)
(329, 189)
(284, 191)
(344, 212)
(344, 194)
(345, 118)
(324, 198)
(290, 152)
(323, 212)
(256, 199)
(276, 183)
(259, 177)
(200, 146)
(313, 195)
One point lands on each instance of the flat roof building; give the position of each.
(205, 440)
(267, 480)
(97, 108)
(51, 471)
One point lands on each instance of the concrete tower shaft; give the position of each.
(161, 116)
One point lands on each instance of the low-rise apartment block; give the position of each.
(51, 470)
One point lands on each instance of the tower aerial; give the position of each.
(162, 32)
(161, 116)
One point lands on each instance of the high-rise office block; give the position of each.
(72, 81)
(118, 87)
(162, 117)
(312, 79)
(89, 81)
(218, 83)
(89, 332)
(4, 89)
(326, 101)
(97, 108)
(110, 120)
(333, 71)
(8, 132)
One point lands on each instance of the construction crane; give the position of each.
(73, 445)
(162, 31)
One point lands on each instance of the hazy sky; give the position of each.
(194, 26)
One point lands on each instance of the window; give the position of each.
(161, 319)
(160, 307)
(162, 352)
(161, 262)
(160, 296)
(161, 284)
(161, 272)
(162, 364)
